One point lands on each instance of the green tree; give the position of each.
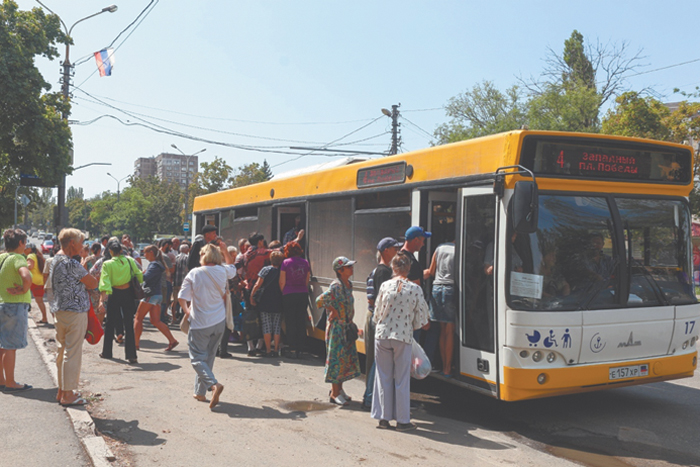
(646, 117)
(642, 117)
(214, 176)
(34, 138)
(483, 110)
(251, 173)
(164, 198)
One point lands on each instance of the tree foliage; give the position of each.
(646, 117)
(34, 138)
(481, 111)
(566, 96)
(251, 173)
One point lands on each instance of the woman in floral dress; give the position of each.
(342, 363)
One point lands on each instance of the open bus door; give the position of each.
(478, 361)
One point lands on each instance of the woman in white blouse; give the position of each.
(399, 310)
(205, 287)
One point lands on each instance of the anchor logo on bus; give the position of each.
(597, 343)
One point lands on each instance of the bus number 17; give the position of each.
(689, 326)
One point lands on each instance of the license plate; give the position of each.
(632, 371)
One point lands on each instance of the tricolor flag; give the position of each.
(105, 61)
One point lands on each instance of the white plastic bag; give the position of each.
(420, 365)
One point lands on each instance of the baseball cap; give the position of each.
(415, 232)
(387, 242)
(208, 228)
(341, 262)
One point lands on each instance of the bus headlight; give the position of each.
(685, 345)
(524, 353)
(551, 357)
(537, 356)
(542, 378)
(692, 341)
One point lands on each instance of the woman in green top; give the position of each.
(115, 281)
(15, 280)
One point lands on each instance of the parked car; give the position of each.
(46, 247)
(140, 247)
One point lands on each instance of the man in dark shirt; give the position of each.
(387, 248)
(208, 234)
(415, 240)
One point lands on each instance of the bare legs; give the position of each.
(447, 336)
(154, 313)
(268, 342)
(42, 308)
(7, 358)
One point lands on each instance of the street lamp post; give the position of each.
(118, 182)
(187, 175)
(61, 201)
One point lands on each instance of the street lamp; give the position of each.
(66, 95)
(187, 175)
(118, 182)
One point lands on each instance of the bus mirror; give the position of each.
(525, 207)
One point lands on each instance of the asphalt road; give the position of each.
(275, 411)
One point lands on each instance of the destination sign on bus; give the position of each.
(381, 175)
(595, 159)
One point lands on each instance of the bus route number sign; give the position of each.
(389, 174)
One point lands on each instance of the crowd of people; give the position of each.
(214, 292)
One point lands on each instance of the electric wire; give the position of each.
(88, 57)
(209, 117)
(421, 129)
(122, 42)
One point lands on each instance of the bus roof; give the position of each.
(445, 163)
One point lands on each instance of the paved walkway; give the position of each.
(34, 429)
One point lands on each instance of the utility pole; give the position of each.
(61, 217)
(395, 136)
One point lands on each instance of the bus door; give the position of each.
(285, 220)
(477, 350)
(442, 208)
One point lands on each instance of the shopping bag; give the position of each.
(94, 329)
(420, 364)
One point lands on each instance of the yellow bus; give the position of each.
(573, 251)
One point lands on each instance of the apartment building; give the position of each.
(171, 167)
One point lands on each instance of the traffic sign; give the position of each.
(186, 227)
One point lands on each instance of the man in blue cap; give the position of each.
(415, 240)
(387, 248)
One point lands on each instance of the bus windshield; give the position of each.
(574, 260)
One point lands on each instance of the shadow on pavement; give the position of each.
(244, 411)
(163, 366)
(37, 394)
(128, 432)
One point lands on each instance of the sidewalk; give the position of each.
(34, 429)
(272, 412)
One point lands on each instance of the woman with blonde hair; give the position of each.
(150, 304)
(205, 288)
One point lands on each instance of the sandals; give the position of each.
(76, 403)
(24, 387)
(340, 400)
(171, 346)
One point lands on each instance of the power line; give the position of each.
(421, 129)
(664, 68)
(88, 57)
(209, 117)
(210, 129)
(329, 144)
(125, 39)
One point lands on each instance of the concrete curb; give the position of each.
(83, 425)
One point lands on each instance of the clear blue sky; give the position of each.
(308, 73)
